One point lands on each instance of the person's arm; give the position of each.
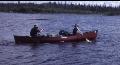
(37, 30)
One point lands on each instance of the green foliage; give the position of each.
(59, 8)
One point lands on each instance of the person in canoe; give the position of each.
(76, 29)
(34, 31)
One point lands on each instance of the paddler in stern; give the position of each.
(34, 31)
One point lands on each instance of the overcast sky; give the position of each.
(108, 3)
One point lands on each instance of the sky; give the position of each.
(107, 3)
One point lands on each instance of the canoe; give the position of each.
(90, 35)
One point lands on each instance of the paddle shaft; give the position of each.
(82, 34)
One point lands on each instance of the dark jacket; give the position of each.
(34, 31)
(75, 30)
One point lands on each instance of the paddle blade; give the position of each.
(88, 40)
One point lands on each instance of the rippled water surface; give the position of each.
(105, 51)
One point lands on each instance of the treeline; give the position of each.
(53, 7)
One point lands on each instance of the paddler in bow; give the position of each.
(76, 29)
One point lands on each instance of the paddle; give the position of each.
(40, 30)
(82, 34)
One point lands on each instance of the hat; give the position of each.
(35, 25)
(75, 25)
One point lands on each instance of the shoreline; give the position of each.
(61, 13)
(51, 13)
(53, 8)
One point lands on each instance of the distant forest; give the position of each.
(53, 7)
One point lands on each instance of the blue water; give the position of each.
(105, 51)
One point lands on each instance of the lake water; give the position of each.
(105, 51)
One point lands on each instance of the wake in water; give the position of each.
(6, 42)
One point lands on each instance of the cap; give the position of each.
(76, 25)
(35, 25)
